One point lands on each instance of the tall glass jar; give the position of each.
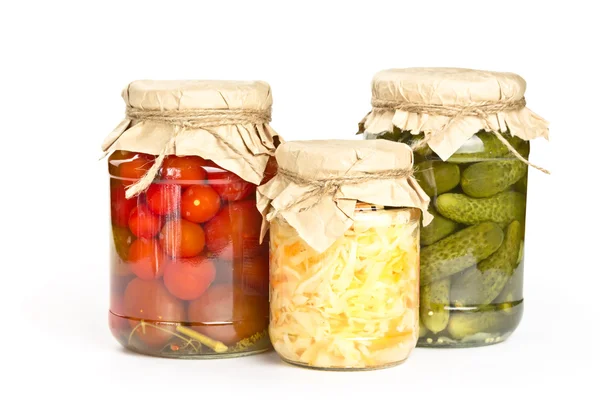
(189, 278)
(472, 253)
(344, 271)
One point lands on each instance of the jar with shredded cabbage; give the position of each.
(356, 305)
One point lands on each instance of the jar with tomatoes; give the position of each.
(189, 278)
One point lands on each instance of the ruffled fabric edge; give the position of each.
(255, 144)
(321, 224)
(448, 138)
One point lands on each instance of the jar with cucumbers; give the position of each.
(472, 252)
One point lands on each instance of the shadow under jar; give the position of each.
(188, 275)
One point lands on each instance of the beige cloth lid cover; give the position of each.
(450, 87)
(320, 224)
(254, 142)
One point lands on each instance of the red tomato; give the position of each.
(163, 199)
(252, 274)
(188, 278)
(116, 158)
(146, 259)
(120, 207)
(199, 203)
(181, 238)
(151, 302)
(136, 167)
(234, 231)
(230, 186)
(143, 223)
(237, 314)
(186, 170)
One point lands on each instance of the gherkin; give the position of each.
(502, 208)
(437, 229)
(435, 302)
(459, 251)
(482, 284)
(485, 179)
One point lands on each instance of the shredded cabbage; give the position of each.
(356, 304)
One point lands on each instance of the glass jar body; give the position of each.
(472, 252)
(189, 278)
(354, 306)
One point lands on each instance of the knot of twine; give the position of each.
(204, 118)
(481, 110)
(329, 186)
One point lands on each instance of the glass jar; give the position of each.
(189, 278)
(472, 252)
(354, 306)
(470, 131)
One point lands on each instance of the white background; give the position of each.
(62, 70)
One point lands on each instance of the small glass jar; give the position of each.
(354, 306)
(188, 275)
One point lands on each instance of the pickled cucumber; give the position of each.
(483, 283)
(490, 320)
(480, 147)
(437, 177)
(513, 290)
(462, 325)
(459, 251)
(501, 208)
(435, 302)
(485, 179)
(438, 229)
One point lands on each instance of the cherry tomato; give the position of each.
(252, 274)
(136, 167)
(230, 186)
(120, 207)
(238, 314)
(234, 231)
(143, 223)
(116, 158)
(186, 170)
(199, 203)
(163, 199)
(151, 302)
(146, 258)
(181, 238)
(188, 278)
